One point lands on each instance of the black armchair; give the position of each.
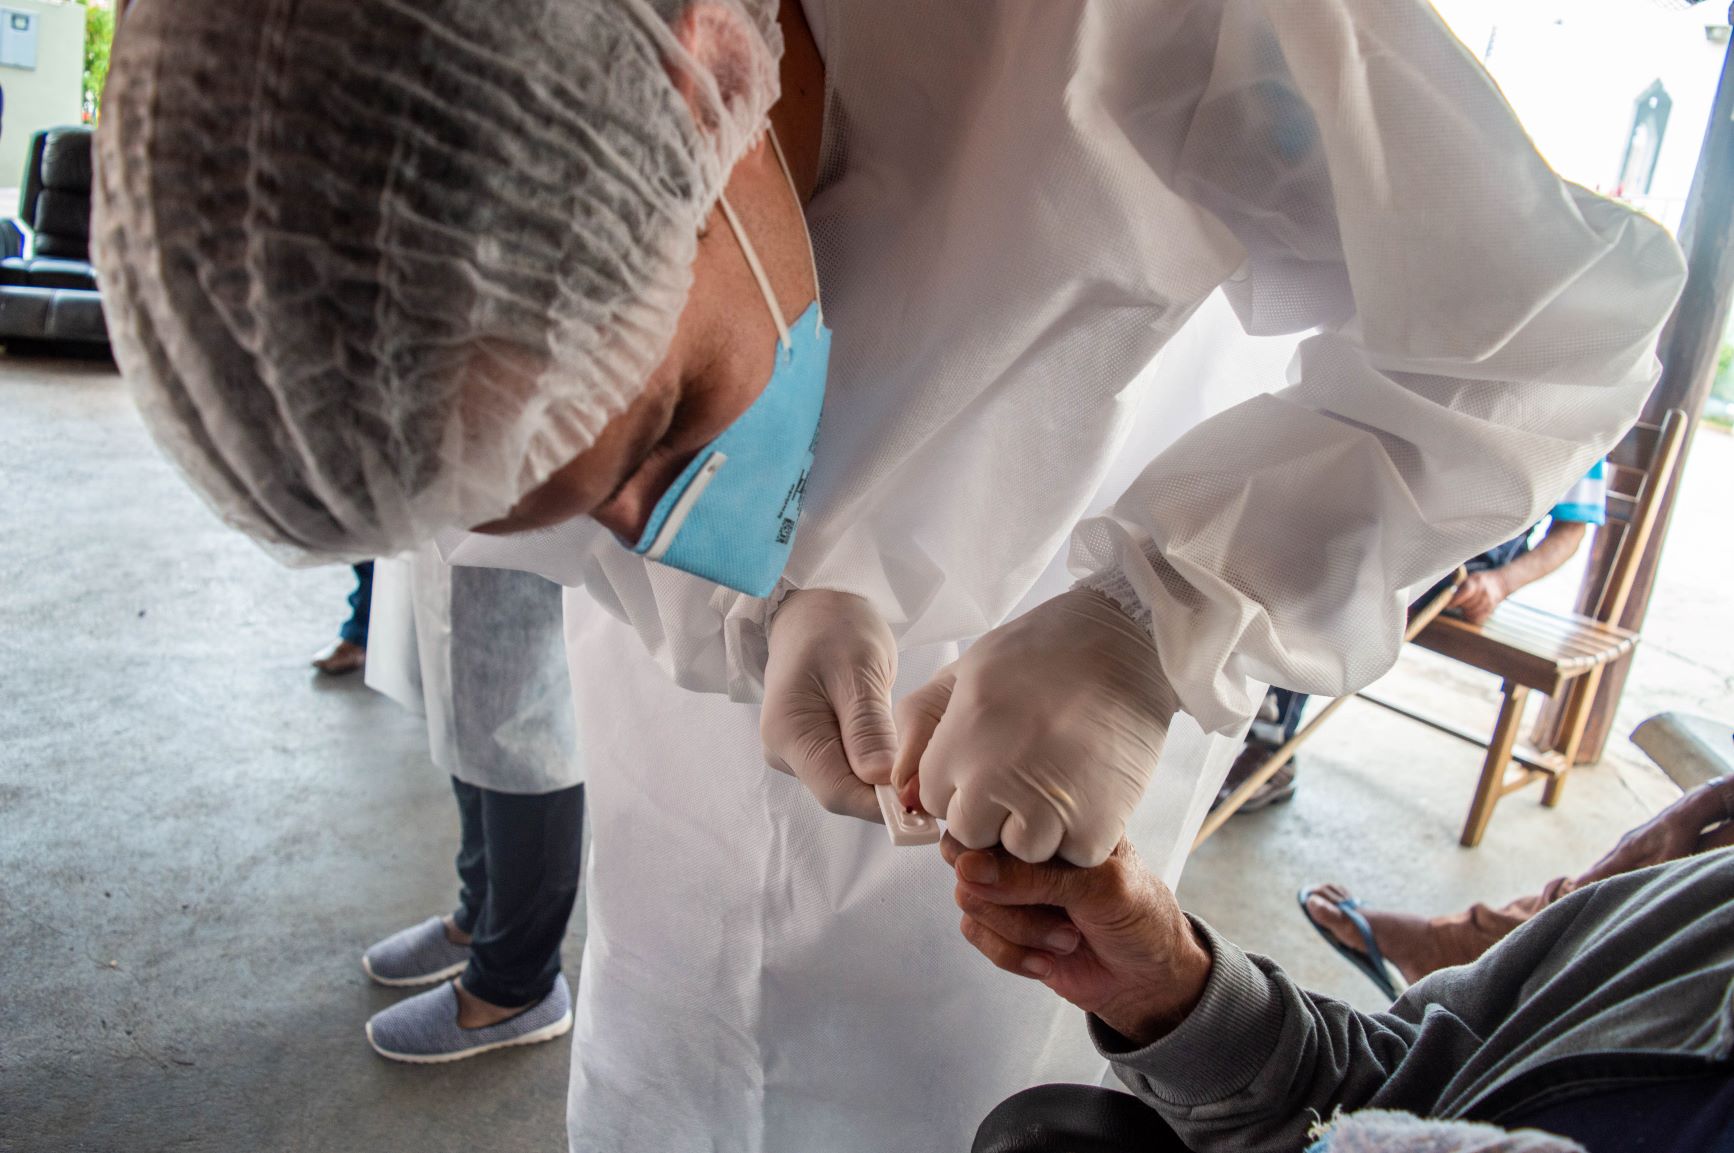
(48, 290)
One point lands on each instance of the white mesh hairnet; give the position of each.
(378, 267)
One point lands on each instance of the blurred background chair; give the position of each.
(48, 290)
(1560, 654)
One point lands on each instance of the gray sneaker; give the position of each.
(424, 1029)
(420, 955)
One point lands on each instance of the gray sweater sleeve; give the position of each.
(1640, 962)
(1260, 1058)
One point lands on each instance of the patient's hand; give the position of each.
(1677, 831)
(1111, 939)
(1478, 596)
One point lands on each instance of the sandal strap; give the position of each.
(1350, 908)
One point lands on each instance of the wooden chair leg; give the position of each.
(1280, 756)
(1573, 722)
(1489, 790)
(1573, 718)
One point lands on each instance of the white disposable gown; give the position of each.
(1019, 204)
(480, 652)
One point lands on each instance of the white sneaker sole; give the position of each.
(444, 974)
(546, 1033)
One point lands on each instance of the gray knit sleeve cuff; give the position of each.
(1221, 1046)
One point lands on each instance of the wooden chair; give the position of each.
(1531, 648)
(1554, 653)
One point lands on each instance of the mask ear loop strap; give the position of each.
(812, 257)
(758, 272)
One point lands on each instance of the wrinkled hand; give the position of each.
(1673, 833)
(1111, 940)
(827, 712)
(1043, 735)
(1477, 597)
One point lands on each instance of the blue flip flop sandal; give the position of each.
(1371, 963)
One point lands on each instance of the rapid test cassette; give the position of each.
(906, 826)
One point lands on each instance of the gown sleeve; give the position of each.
(1485, 331)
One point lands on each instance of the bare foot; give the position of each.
(454, 934)
(1409, 942)
(475, 1013)
(339, 658)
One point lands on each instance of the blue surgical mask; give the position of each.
(731, 515)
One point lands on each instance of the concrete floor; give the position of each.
(197, 838)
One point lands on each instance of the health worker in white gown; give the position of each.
(462, 276)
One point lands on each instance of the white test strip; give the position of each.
(906, 826)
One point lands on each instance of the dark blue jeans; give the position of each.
(518, 863)
(1290, 704)
(354, 629)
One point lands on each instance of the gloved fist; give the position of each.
(827, 712)
(1043, 735)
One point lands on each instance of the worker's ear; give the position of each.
(726, 49)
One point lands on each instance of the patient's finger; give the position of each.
(1012, 958)
(1108, 889)
(1002, 879)
(1030, 926)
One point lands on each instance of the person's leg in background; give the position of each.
(354, 629)
(472, 864)
(499, 709)
(1279, 718)
(518, 865)
(438, 948)
(530, 847)
(1701, 821)
(349, 651)
(1286, 707)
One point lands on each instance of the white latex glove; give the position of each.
(827, 712)
(1043, 735)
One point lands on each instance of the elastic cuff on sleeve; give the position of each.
(778, 596)
(1114, 585)
(747, 641)
(1221, 1046)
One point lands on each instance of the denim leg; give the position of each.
(1279, 717)
(354, 629)
(472, 859)
(1500, 555)
(533, 850)
(1289, 707)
